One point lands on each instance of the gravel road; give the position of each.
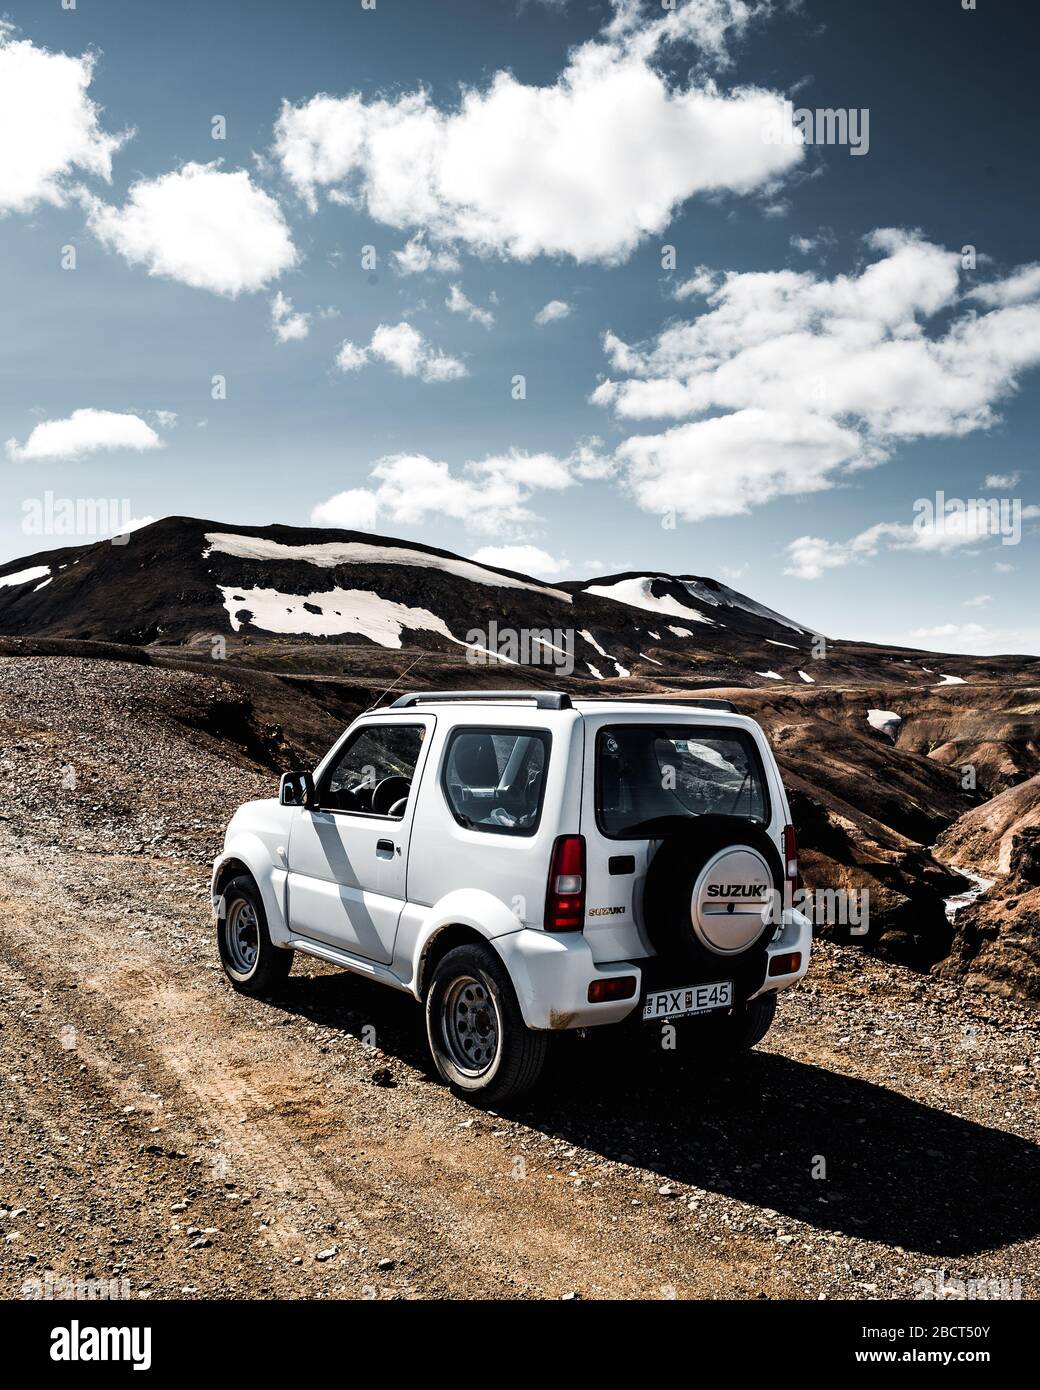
(161, 1130)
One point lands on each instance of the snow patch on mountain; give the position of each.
(584, 632)
(635, 593)
(885, 721)
(328, 554)
(331, 613)
(721, 595)
(24, 576)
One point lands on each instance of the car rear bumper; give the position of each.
(795, 938)
(552, 972)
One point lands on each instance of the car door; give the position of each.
(348, 855)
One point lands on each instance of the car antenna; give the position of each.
(397, 678)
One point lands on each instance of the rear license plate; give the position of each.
(695, 999)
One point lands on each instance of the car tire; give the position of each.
(670, 881)
(251, 961)
(478, 1040)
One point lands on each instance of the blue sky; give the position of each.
(766, 412)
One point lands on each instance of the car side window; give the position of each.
(373, 773)
(494, 779)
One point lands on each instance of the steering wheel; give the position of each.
(387, 792)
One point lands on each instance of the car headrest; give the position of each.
(475, 761)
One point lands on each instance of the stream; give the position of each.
(961, 900)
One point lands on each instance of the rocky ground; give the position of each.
(160, 1129)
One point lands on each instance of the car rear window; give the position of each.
(494, 779)
(649, 777)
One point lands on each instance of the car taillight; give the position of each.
(791, 874)
(613, 987)
(565, 899)
(788, 964)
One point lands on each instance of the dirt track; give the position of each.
(135, 1081)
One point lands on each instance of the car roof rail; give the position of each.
(708, 702)
(543, 699)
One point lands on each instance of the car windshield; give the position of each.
(650, 775)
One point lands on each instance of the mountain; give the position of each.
(350, 600)
(902, 766)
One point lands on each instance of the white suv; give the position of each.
(524, 865)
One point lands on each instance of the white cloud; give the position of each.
(208, 229)
(357, 509)
(1023, 284)
(458, 303)
(416, 258)
(702, 282)
(490, 496)
(289, 325)
(979, 601)
(587, 166)
(1002, 480)
(970, 524)
(406, 350)
(710, 25)
(847, 363)
(728, 464)
(49, 127)
(810, 556)
(350, 357)
(523, 559)
(84, 432)
(553, 312)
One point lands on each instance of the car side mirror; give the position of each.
(296, 789)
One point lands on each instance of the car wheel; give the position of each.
(250, 959)
(478, 1039)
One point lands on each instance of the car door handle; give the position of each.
(385, 847)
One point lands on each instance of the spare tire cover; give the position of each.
(709, 897)
(732, 899)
